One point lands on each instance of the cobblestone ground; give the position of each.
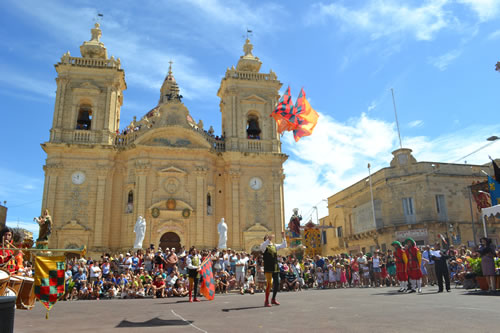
(341, 310)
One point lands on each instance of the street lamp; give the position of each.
(493, 138)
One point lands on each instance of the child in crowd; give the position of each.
(319, 278)
(343, 277)
(261, 278)
(332, 278)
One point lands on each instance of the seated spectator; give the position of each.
(159, 287)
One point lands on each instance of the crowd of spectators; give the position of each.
(164, 273)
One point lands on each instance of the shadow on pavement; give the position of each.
(482, 293)
(154, 323)
(244, 308)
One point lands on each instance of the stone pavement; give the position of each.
(341, 310)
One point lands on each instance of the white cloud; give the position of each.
(14, 80)
(372, 106)
(485, 9)
(442, 62)
(336, 155)
(416, 123)
(382, 18)
(494, 35)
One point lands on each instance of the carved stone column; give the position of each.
(235, 218)
(141, 170)
(99, 205)
(199, 234)
(52, 172)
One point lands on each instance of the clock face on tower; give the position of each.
(78, 177)
(255, 183)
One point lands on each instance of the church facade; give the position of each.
(164, 167)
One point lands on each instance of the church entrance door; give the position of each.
(170, 240)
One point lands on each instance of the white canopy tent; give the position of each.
(489, 212)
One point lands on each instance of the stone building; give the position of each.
(411, 199)
(181, 178)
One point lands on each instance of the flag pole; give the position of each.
(396, 115)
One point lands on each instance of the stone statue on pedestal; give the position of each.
(140, 232)
(222, 229)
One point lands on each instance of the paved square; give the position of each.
(341, 310)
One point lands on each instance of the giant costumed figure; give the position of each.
(401, 262)
(414, 265)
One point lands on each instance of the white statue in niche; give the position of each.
(222, 229)
(140, 232)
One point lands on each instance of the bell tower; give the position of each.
(89, 95)
(247, 100)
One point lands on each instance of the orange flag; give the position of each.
(308, 117)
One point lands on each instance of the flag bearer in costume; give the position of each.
(7, 259)
(414, 265)
(401, 262)
(271, 268)
(193, 263)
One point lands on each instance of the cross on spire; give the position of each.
(170, 67)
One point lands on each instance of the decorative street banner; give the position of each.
(207, 288)
(49, 280)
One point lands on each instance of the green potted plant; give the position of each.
(475, 264)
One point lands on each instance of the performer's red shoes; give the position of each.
(266, 304)
(196, 300)
(275, 302)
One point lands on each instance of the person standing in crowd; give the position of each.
(271, 268)
(171, 260)
(487, 253)
(401, 262)
(377, 269)
(390, 265)
(429, 265)
(439, 257)
(193, 262)
(414, 264)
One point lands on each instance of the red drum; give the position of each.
(4, 281)
(26, 296)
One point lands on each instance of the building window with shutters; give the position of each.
(409, 210)
(441, 208)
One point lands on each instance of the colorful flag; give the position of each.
(494, 191)
(284, 113)
(207, 288)
(307, 117)
(49, 280)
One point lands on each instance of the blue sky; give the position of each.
(439, 56)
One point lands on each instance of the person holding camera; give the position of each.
(271, 268)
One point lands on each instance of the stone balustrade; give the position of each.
(91, 62)
(234, 74)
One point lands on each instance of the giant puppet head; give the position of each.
(396, 244)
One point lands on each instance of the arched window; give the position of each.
(130, 202)
(209, 204)
(84, 120)
(253, 127)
